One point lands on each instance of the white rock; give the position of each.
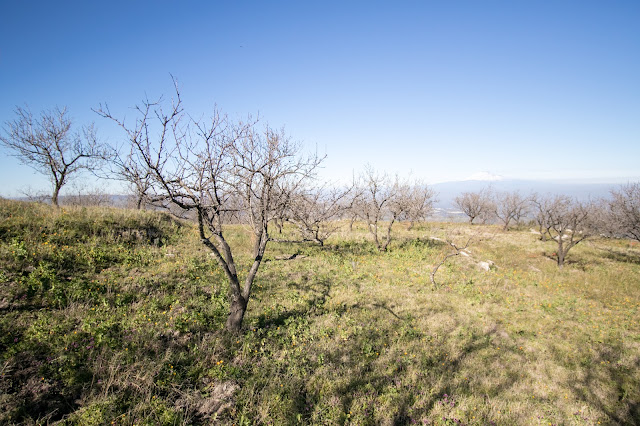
(486, 266)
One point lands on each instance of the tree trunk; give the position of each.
(54, 197)
(240, 298)
(237, 308)
(543, 234)
(387, 239)
(57, 185)
(561, 252)
(373, 230)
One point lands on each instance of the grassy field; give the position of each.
(116, 317)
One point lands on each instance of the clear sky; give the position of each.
(441, 89)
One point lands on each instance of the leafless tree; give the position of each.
(35, 195)
(419, 199)
(623, 215)
(127, 167)
(568, 222)
(380, 203)
(476, 205)
(219, 169)
(542, 206)
(83, 194)
(48, 145)
(509, 207)
(315, 211)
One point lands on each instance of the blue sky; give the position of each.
(441, 90)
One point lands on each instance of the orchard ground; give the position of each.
(113, 316)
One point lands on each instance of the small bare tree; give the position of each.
(623, 215)
(132, 170)
(542, 206)
(419, 198)
(379, 201)
(568, 222)
(509, 207)
(476, 205)
(83, 194)
(48, 145)
(315, 211)
(219, 170)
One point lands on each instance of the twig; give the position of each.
(457, 252)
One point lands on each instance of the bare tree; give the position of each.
(509, 207)
(476, 205)
(133, 171)
(419, 198)
(83, 194)
(48, 145)
(219, 170)
(568, 222)
(623, 215)
(314, 212)
(127, 164)
(542, 206)
(380, 204)
(352, 213)
(35, 195)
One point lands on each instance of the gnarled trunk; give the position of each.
(56, 191)
(237, 308)
(561, 251)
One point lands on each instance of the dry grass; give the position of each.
(338, 335)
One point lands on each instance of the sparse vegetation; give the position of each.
(114, 316)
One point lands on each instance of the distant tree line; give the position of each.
(565, 220)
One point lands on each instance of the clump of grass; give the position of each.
(102, 324)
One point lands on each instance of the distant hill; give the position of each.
(447, 191)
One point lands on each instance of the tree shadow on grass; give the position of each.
(31, 393)
(409, 243)
(317, 293)
(602, 381)
(622, 256)
(375, 380)
(362, 370)
(394, 388)
(353, 247)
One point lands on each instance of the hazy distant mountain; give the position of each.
(447, 191)
(484, 176)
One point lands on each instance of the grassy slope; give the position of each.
(111, 316)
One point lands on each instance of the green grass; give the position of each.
(116, 317)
